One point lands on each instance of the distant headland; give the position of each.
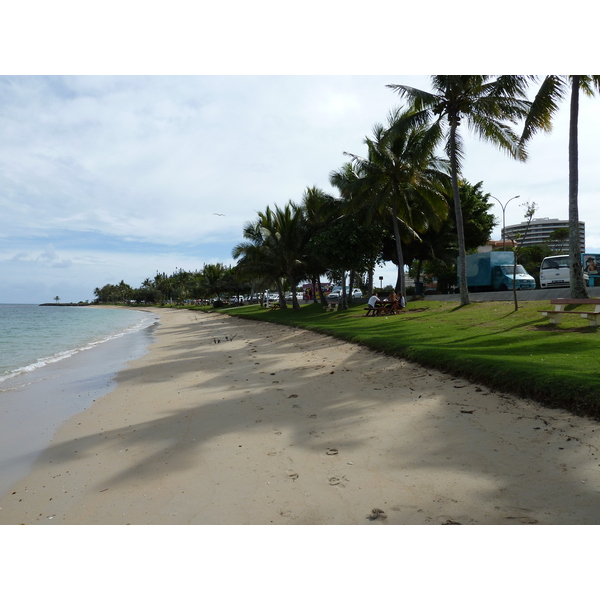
(66, 304)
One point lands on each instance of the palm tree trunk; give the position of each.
(314, 289)
(462, 253)
(351, 277)
(294, 285)
(577, 282)
(344, 296)
(282, 302)
(399, 287)
(322, 296)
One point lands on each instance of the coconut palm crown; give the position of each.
(488, 105)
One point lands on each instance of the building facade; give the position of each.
(539, 233)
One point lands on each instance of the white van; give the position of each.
(554, 272)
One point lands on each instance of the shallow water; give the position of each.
(32, 336)
(38, 395)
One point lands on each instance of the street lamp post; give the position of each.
(503, 206)
(381, 283)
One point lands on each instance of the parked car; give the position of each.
(336, 293)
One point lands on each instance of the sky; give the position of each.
(127, 170)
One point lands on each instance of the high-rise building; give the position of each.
(539, 233)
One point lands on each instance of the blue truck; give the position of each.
(495, 271)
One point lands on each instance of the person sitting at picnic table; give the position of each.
(373, 300)
(394, 306)
(402, 301)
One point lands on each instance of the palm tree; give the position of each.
(347, 181)
(255, 258)
(319, 208)
(278, 247)
(486, 104)
(400, 178)
(213, 279)
(289, 239)
(553, 89)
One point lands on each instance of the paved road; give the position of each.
(523, 295)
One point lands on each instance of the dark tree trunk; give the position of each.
(578, 289)
(460, 232)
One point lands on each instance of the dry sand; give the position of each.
(227, 421)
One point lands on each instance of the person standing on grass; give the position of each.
(402, 301)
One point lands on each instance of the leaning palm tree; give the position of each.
(553, 89)
(400, 178)
(486, 104)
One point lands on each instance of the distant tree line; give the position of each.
(212, 281)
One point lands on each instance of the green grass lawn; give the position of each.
(487, 343)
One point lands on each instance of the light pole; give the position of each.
(381, 282)
(503, 206)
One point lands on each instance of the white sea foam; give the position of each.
(145, 319)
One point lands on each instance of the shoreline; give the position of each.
(228, 421)
(40, 401)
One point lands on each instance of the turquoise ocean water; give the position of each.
(54, 362)
(32, 337)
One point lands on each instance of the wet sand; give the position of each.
(227, 421)
(33, 405)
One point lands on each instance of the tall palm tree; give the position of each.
(348, 181)
(553, 89)
(318, 208)
(401, 178)
(486, 104)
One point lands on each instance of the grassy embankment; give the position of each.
(488, 343)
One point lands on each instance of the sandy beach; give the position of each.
(227, 421)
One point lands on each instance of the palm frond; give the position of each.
(498, 134)
(420, 99)
(545, 104)
(589, 84)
